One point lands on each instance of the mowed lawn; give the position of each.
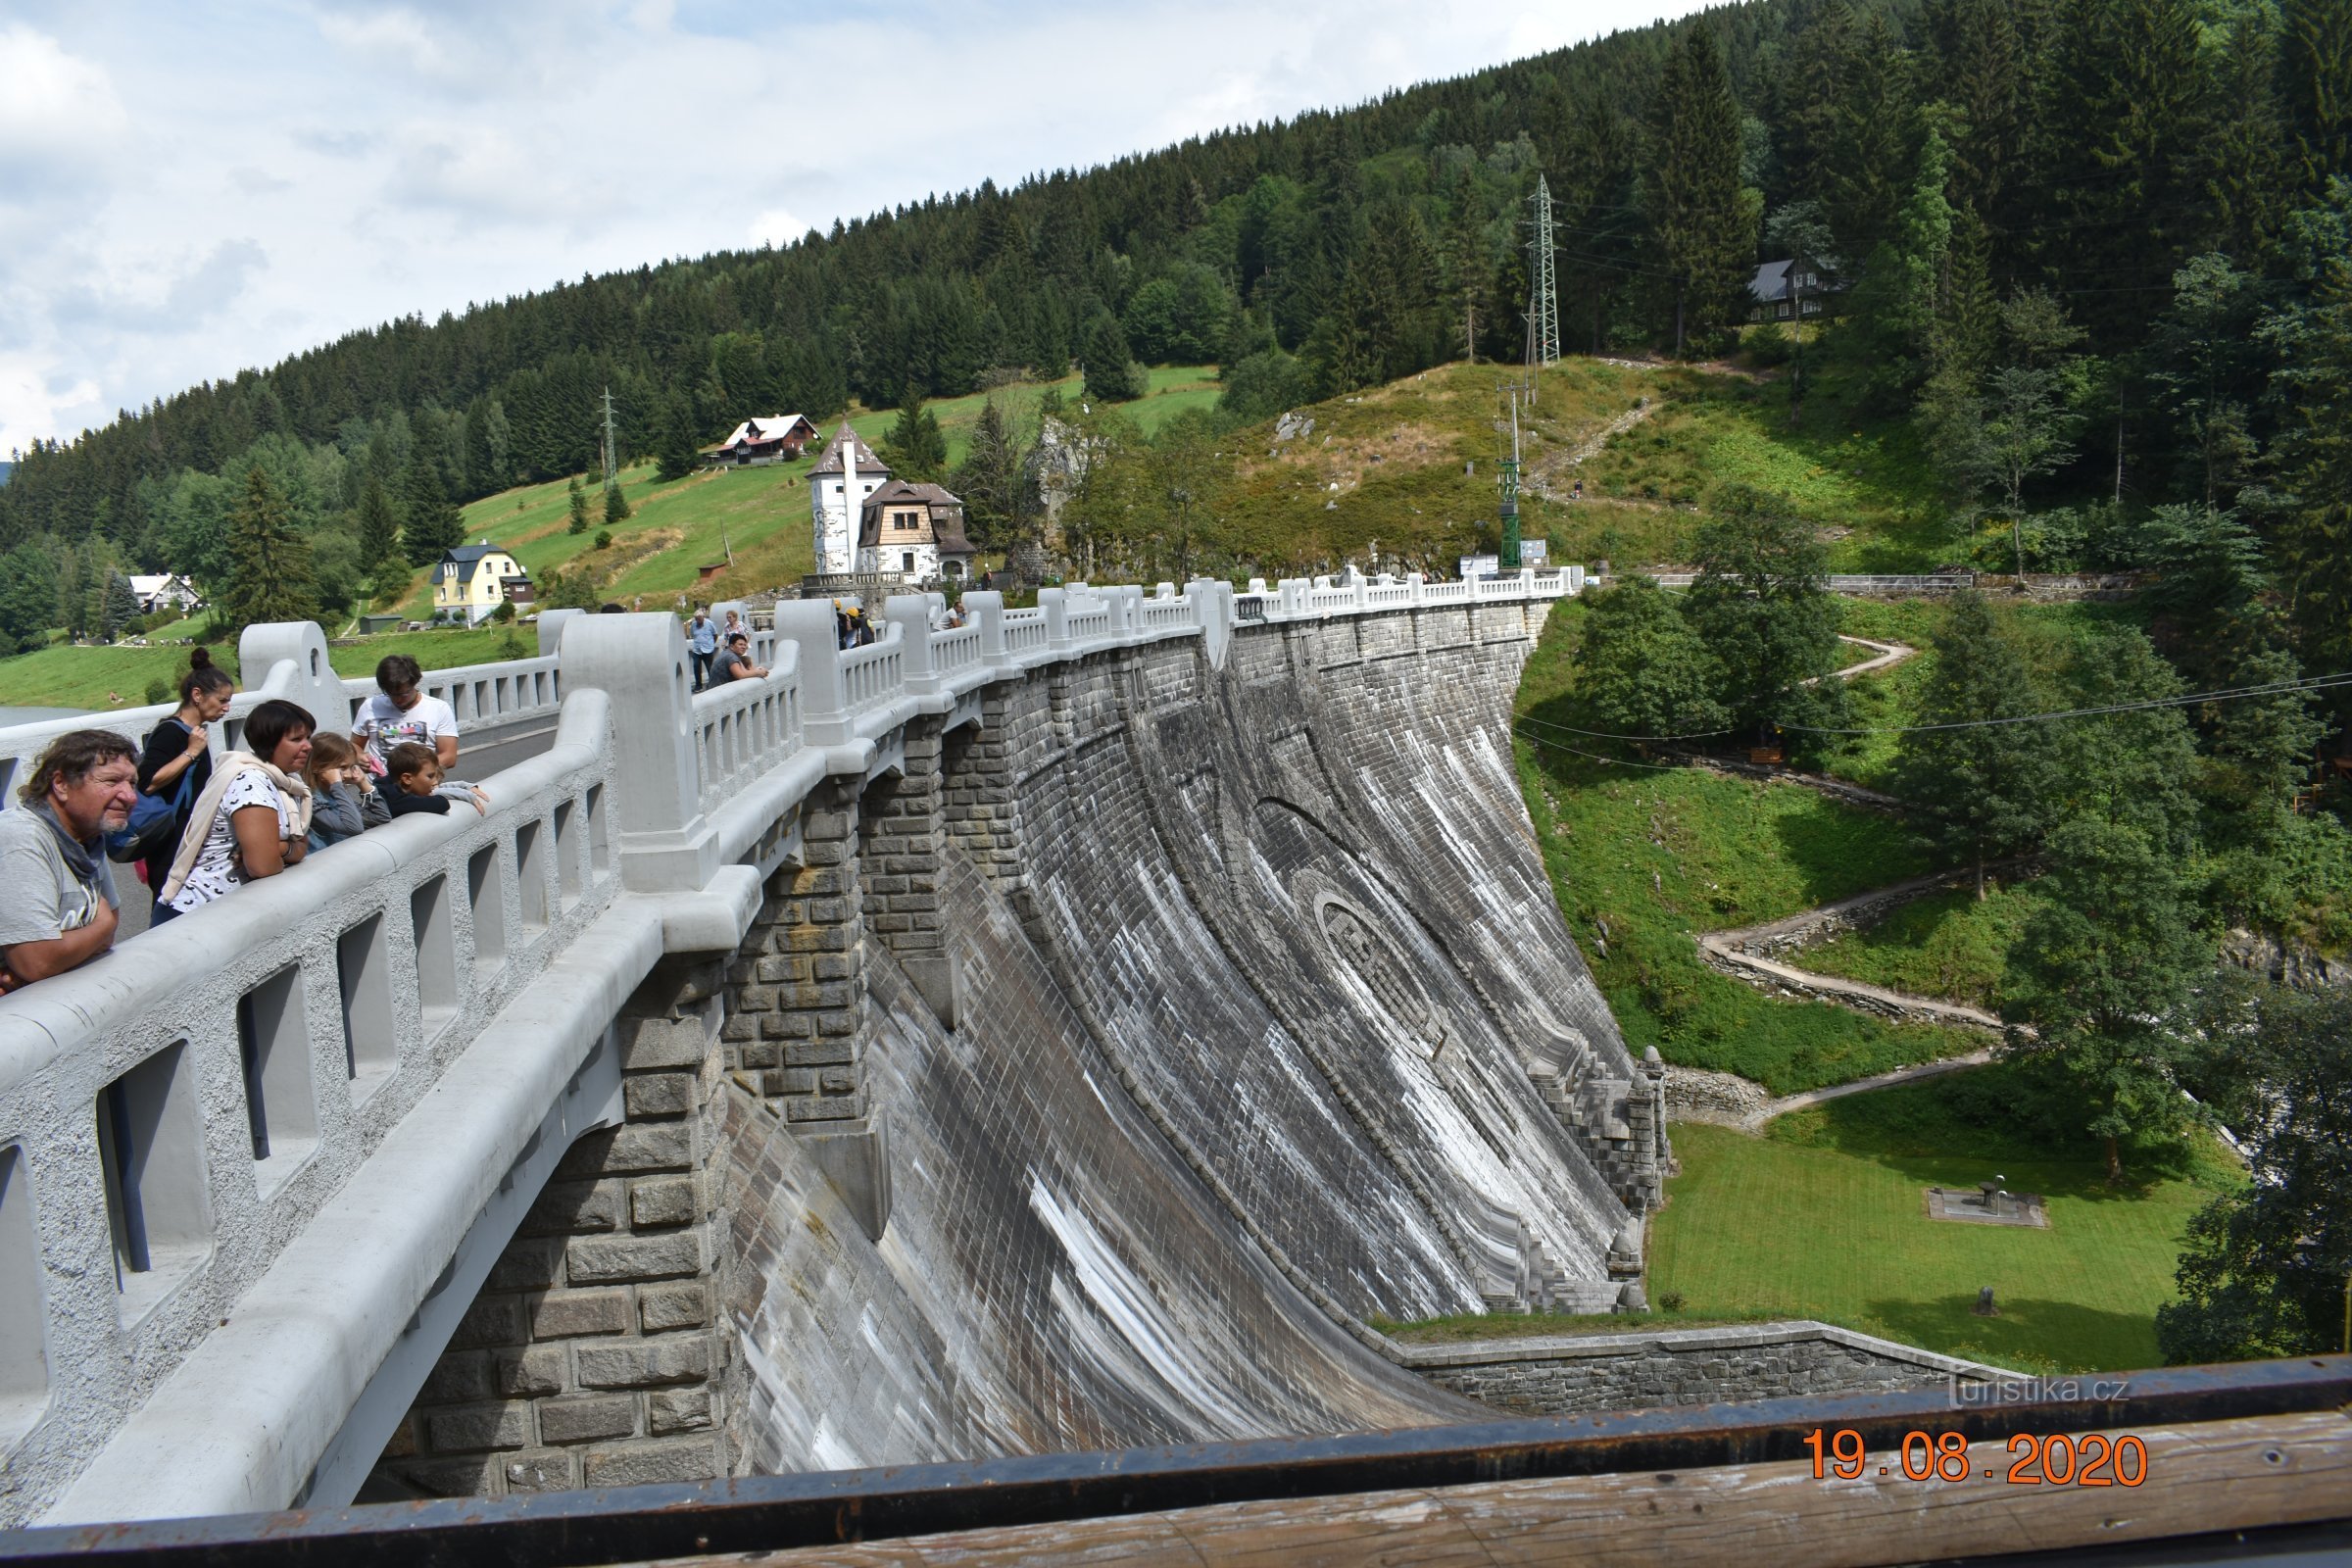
(1823, 1217)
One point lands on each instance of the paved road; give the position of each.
(479, 761)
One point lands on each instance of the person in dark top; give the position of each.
(735, 664)
(176, 761)
(416, 773)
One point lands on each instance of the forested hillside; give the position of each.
(2090, 247)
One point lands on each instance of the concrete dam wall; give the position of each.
(1087, 1079)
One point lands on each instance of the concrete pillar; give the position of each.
(299, 648)
(808, 624)
(985, 607)
(595, 1355)
(640, 662)
(1055, 602)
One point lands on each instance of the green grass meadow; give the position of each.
(1825, 1217)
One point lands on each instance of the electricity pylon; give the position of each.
(1543, 302)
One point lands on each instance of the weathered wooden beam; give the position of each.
(2202, 1477)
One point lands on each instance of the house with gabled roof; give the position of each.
(776, 438)
(471, 582)
(912, 533)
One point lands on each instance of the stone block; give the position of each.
(634, 1464)
(834, 1052)
(790, 970)
(645, 1364)
(661, 1200)
(457, 1376)
(490, 1320)
(542, 1470)
(567, 1314)
(663, 1042)
(566, 1207)
(472, 1427)
(530, 1263)
(403, 1442)
(588, 1420)
(678, 1410)
(662, 1094)
(650, 1147)
(828, 1108)
(664, 1307)
(535, 1372)
(831, 966)
(608, 1261)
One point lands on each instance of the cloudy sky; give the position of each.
(189, 190)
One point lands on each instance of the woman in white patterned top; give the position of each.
(255, 816)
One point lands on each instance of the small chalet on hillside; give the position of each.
(1776, 286)
(778, 438)
(912, 533)
(164, 591)
(471, 582)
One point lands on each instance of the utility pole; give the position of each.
(1508, 559)
(609, 451)
(1543, 304)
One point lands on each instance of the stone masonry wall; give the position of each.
(591, 1356)
(1569, 1374)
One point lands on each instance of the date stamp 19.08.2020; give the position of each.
(2054, 1459)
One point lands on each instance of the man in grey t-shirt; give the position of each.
(60, 912)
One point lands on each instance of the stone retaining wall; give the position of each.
(1572, 1374)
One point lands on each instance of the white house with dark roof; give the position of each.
(845, 474)
(777, 438)
(471, 582)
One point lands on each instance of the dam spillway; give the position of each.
(1267, 988)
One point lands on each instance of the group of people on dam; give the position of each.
(197, 831)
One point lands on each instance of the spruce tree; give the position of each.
(269, 560)
(916, 449)
(433, 523)
(2316, 466)
(119, 607)
(616, 506)
(1706, 225)
(674, 446)
(1761, 604)
(1112, 374)
(579, 505)
(379, 526)
(1988, 792)
(989, 480)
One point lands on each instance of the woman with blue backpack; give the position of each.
(174, 766)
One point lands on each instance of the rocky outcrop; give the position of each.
(2292, 964)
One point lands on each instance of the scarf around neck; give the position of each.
(80, 859)
(207, 807)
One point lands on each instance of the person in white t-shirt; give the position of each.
(401, 712)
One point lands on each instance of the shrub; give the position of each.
(603, 538)
(1768, 344)
(1671, 1301)
(159, 689)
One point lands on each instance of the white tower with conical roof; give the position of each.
(845, 474)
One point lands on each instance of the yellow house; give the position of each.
(472, 581)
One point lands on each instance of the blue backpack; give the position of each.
(154, 823)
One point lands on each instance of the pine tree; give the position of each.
(379, 526)
(1706, 225)
(2316, 72)
(616, 506)
(579, 505)
(1989, 792)
(270, 579)
(433, 523)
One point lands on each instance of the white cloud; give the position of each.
(776, 226)
(289, 170)
(60, 115)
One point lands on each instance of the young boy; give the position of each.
(416, 773)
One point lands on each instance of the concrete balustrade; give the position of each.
(254, 1163)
